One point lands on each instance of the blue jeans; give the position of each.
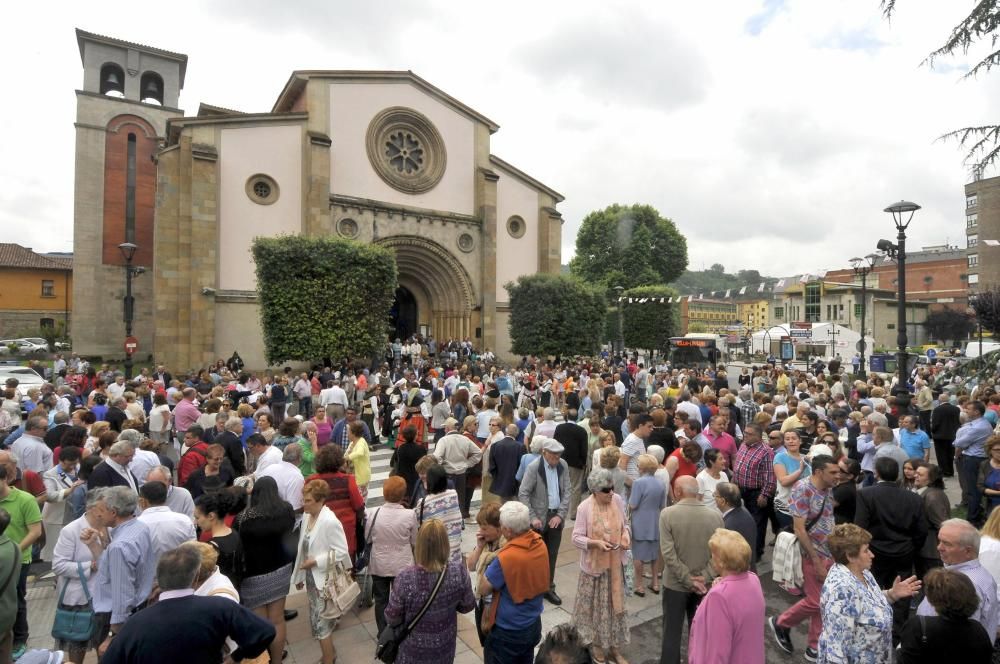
(513, 646)
(969, 469)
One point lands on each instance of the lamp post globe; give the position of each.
(902, 214)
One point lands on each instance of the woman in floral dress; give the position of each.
(857, 614)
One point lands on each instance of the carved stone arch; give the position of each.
(442, 278)
(116, 123)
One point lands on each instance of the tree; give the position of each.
(986, 305)
(718, 268)
(982, 142)
(649, 325)
(555, 315)
(697, 328)
(949, 325)
(628, 246)
(323, 297)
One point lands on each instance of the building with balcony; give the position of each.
(982, 233)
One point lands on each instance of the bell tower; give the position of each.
(129, 92)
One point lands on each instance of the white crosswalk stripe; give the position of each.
(380, 473)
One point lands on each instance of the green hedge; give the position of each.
(554, 315)
(323, 297)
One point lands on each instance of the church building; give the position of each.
(373, 156)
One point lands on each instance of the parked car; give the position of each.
(25, 376)
(23, 346)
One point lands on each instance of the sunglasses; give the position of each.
(607, 489)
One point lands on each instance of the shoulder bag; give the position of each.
(392, 636)
(340, 591)
(69, 624)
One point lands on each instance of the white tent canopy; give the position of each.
(827, 340)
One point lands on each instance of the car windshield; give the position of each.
(36, 340)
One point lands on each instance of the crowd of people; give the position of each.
(234, 487)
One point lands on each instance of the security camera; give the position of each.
(207, 291)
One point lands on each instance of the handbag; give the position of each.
(392, 636)
(71, 625)
(340, 591)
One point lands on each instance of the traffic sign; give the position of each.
(131, 345)
(931, 353)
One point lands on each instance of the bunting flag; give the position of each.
(743, 291)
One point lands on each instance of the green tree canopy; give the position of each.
(649, 325)
(949, 325)
(554, 315)
(628, 246)
(986, 304)
(323, 296)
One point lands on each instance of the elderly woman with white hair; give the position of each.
(534, 452)
(602, 533)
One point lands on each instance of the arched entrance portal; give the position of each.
(404, 314)
(440, 288)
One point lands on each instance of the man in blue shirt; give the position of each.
(970, 453)
(912, 439)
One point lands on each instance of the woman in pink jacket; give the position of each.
(729, 624)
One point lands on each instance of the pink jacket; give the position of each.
(580, 534)
(729, 623)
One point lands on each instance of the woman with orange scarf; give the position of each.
(601, 531)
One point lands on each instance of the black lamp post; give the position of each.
(621, 324)
(902, 214)
(128, 252)
(863, 267)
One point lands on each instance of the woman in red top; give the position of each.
(684, 461)
(344, 500)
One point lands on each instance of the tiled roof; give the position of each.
(14, 255)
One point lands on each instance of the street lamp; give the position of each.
(863, 267)
(128, 250)
(621, 324)
(902, 214)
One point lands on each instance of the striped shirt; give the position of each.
(988, 612)
(125, 572)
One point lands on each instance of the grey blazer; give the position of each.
(535, 492)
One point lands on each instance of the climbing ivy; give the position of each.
(323, 297)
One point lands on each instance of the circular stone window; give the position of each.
(406, 150)
(466, 242)
(516, 226)
(348, 228)
(262, 189)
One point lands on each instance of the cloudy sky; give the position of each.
(773, 132)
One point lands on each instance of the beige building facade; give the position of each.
(376, 157)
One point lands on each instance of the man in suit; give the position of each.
(181, 627)
(573, 438)
(895, 519)
(736, 517)
(945, 420)
(114, 471)
(55, 434)
(505, 457)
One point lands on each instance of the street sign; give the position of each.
(860, 345)
(931, 353)
(801, 331)
(131, 345)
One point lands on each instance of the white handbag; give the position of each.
(340, 591)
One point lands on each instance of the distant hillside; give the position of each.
(717, 279)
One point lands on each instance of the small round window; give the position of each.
(516, 226)
(262, 189)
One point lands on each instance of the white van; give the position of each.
(972, 348)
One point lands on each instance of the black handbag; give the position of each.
(365, 553)
(392, 636)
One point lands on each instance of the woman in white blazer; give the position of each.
(69, 556)
(321, 532)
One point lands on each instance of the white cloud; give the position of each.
(772, 132)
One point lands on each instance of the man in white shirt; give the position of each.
(483, 418)
(178, 498)
(263, 452)
(144, 460)
(287, 475)
(334, 399)
(547, 427)
(32, 452)
(167, 529)
(116, 390)
(685, 406)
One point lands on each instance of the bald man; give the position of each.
(685, 528)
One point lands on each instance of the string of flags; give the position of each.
(805, 278)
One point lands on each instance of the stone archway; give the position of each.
(440, 286)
